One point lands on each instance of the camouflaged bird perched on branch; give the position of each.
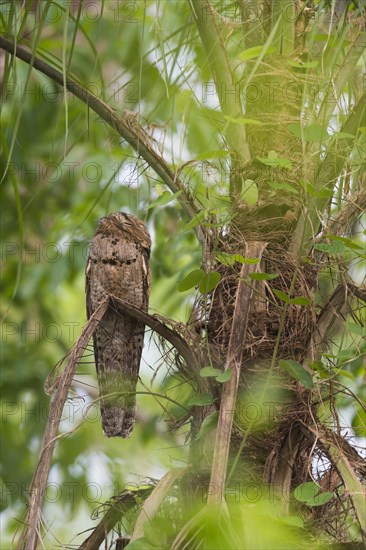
(118, 264)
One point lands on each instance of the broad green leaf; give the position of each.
(306, 491)
(282, 295)
(209, 371)
(224, 376)
(310, 190)
(282, 187)
(300, 301)
(333, 248)
(249, 192)
(277, 162)
(256, 51)
(249, 121)
(229, 259)
(311, 132)
(209, 282)
(201, 399)
(263, 276)
(297, 371)
(164, 198)
(191, 280)
(348, 243)
(305, 65)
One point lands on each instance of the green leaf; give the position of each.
(201, 399)
(209, 371)
(359, 422)
(348, 243)
(191, 280)
(208, 425)
(263, 276)
(282, 187)
(297, 371)
(300, 301)
(277, 162)
(249, 192)
(320, 368)
(256, 51)
(306, 65)
(356, 329)
(309, 493)
(224, 376)
(333, 249)
(229, 259)
(198, 218)
(311, 132)
(343, 135)
(282, 295)
(209, 282)
(249, 121)
(164, 198)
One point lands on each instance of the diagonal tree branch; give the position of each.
(118, 508)
(126, 125)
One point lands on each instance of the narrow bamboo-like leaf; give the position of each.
(263, 276)
(297, 371)
(306, 65)
(191, 280)
(249, 121)
(201, 399)
(164, 198)
(209, 282)
(343, 135)
(256, 51)
(198, 218)
(300, 301)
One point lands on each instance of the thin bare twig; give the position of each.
(29, 537)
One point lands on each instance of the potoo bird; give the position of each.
(118, 263)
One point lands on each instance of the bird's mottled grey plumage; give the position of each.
(118, 264)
